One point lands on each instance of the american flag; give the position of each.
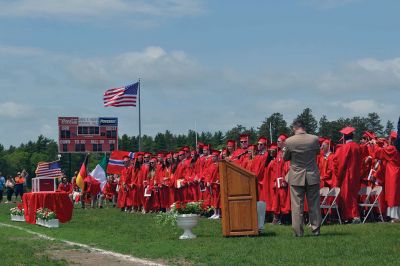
(124, 96)
(51, 169)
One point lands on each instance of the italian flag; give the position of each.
(99, 173)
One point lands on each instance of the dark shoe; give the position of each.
(316, 232)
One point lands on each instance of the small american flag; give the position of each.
(124, 96)
(51, 169)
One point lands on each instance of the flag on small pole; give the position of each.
(82, 173)
(99, 173)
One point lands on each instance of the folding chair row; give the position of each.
(327, 193)
(370, 193)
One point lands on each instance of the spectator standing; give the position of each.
(9, 188)
(19, 185)
(2, 183)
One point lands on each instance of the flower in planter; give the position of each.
(178, 208)
(19, 210)
(45, 214)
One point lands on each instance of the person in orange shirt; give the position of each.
(19, 185)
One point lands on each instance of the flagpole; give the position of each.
(140, 122)
(270, 131)
(195, 130)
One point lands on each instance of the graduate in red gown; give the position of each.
(124, 181)
(237, 155)
(109, 191)
(213, 184)
(269, 174)
(390, 156)
(347, 166)
(230, 149)
(326, 165)
(204, 161)
(281, 200)
(259, 167)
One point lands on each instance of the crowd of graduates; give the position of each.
(152, 183)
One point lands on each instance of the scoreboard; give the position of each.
(83, 134)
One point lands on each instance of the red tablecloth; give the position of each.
(58, 202)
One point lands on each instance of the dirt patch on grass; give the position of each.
(89, 258)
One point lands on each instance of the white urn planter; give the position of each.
(18, 218)
(187, 222)
(53, 223)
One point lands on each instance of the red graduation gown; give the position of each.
(391, 156)
(347, 164)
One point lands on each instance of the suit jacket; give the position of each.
(301, 150)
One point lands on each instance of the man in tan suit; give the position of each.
(303, 177)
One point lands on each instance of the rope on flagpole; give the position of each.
(140, 122)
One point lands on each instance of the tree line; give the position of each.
(26, 156)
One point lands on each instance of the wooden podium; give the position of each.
(238, 200)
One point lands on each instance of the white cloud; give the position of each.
(329, 4)
(100, 9)
(15, 110)
(365, 106)
(6, 50)
(390, 66)
(154, 65)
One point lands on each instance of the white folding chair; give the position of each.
(364, 191)
(334, 192)
(376, 191)
(323, 192)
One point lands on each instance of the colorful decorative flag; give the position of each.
(99, 173)
(82, 173)
(116, 161)
(124, 96)
(51, 169)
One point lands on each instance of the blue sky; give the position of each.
(213, 63)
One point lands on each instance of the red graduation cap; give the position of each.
(244, 137)
(230, 143)
(321, 140)
(138, 154)
(273, 146)
(186, 149)
(393, 135)
(169, 155)
(200, 144)
(369, 134)
(251, 148)
(153, 160)
(147, 154)
(215, 152)
(262, 140)
(181, 152)
(160, 154)
(347, 130)
(282, 137)
(206, 147)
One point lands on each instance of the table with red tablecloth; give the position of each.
(58, 202)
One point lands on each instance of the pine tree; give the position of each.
(373, 122)
(389, 128)
(278, 125)
(309, 121)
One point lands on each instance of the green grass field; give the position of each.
(140, 236)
